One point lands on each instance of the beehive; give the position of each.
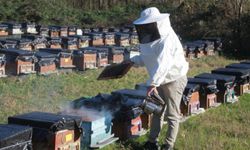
(225, 85)
(241, 78)
(51, 131)
(207, 92)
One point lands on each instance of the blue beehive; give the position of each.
(96, 123)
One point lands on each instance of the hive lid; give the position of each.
(239, 73)
(202, 81)
(237, 65)
(49, 121)
(14, 134)
(219, 77)
(115, 71)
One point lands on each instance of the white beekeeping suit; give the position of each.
(161, 50)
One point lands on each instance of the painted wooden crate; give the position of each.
(241, 78)
(225, 85)
(51, 131)
(190, 103)
(15, 137)
(207, 92)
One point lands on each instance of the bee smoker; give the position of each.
(153, 104)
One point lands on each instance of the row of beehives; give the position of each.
(98, 121)
(47, 60)
(64, 37)
(86, 123)
(205, 46)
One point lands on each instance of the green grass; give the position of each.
(225, 127)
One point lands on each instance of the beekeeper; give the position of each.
(162, 54)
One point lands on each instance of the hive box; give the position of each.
(115, 54)
(54, 31)
(38, 41)
(225, 85)
(9, 43)
(63, 31)
(101, 56)
(128, 129)
(96, 126)
(46, 63)
(14, 28)
(64, 57)
(19, 61)
(15, 137)
(241, 78)
(189, 49)
(207, 92)
(109, 38)
(29, 28)
(2, 65)
(54, 42)
(122, 39)
(82, 41)
(3, 30)
(242, 66)
(96, 39)
(84, 59)
(43, 31)
(51, 131)
(190, 103)
(69, 43)
(134, 39)
(72, 30)
(130, 109)
(25, 44)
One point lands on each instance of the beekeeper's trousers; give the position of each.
(172, 95)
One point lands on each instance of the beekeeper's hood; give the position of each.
(152, 25)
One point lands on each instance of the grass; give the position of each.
(225, 127)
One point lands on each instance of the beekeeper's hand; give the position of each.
(152, 89)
